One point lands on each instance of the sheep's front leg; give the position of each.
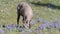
(18, 20)
(24, 21)
(28, 24)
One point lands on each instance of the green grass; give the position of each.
(8, 13)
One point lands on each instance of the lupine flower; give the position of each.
(51, 24)
(32, 22)
(39, 20)
(56, 25)
(1, 31)
(40, 27)
(10, 27)
(45, 25)
(58, 22)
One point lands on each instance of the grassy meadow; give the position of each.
(44, 11)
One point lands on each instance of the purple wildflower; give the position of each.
(32, 22)
(58, 22)
(1, 31)
(45, 25)
(51, 24)
(40, 27)
(39, 20)
(10, 27)
(56, 25)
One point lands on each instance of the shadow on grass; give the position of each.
(49, 5)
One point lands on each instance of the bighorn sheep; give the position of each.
(24, 10)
